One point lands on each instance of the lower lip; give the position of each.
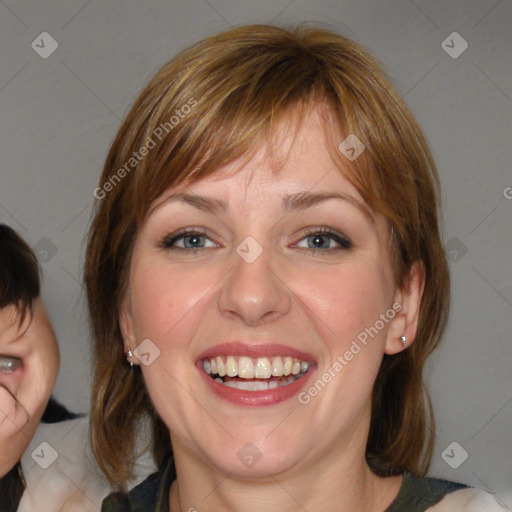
(257, 398)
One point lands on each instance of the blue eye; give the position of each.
(191, 240)
(320, 241)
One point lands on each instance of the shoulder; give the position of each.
(60, 470)
(151, 495)
(421, 494)
(417, 494)
(470, 500)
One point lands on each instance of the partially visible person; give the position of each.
(30, 479)
(29, 364)
(29, 359)
(73, 482)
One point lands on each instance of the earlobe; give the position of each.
(403, 327)
(127, 332)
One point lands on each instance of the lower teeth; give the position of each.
(258, 385)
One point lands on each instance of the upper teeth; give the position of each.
(258, 368)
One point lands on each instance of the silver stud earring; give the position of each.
(129, 355)
(403, 341)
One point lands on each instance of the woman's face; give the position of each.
(279, 280)
(29, 364)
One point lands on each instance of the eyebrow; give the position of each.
(296, 201)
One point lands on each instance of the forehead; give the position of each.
(9, 321)
(291, 171)
(294, 158)
(9, 315)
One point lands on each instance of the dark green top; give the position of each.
(152, 495)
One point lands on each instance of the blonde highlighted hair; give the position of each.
(237, 85)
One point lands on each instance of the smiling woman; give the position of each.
(253, 258)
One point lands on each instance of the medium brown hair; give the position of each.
(238, 84)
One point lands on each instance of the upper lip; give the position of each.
(254, 349)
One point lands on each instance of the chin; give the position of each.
(252, 467)
(242, 458)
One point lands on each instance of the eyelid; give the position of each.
(171, 238)
(339, 238)
(344, 243)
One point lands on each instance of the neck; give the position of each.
(334, 482)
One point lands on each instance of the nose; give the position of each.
(255, 292)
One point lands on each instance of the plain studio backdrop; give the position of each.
(71, 69)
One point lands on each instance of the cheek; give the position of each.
(41, 368)
(164, 294)
(346, 303)
(346, 300)
(49, 358)
(167, 302)
(51, 361)
(12, 452)
(41, 373)
(17, 427)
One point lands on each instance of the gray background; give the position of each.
(59, 115)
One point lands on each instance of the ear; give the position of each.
(127, 329)
(405, 323)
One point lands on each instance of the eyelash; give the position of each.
(344, 243)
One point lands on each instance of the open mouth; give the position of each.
(255, 374)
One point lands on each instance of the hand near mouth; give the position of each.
(29, 362)
(13, 416)
(13, 420)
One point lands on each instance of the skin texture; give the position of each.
(25, 393)
(316, 301)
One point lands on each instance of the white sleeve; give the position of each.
(473, 500)
(61, 473)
